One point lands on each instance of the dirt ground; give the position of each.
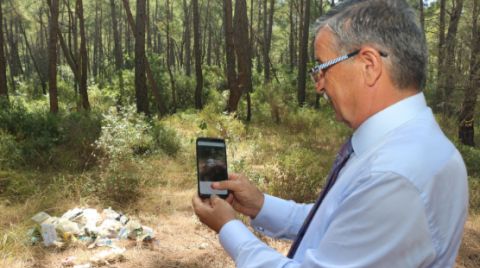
(182, 241)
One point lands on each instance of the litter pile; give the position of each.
(87, 227)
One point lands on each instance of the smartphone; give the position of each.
(211, 166)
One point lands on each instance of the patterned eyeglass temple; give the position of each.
(332, 62)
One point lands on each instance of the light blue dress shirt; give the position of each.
(400, 201)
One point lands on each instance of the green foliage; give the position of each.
(298, 174)
(125, 133)
(36, 138)
(471, 156)
(10, 153)
(165, 139)
(119, 183)
(474, 194)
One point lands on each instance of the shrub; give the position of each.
(10, 154)
(471, 156)
(165, 139)
(120, 183)
(298, 175)
(124, 134)
(474, 192)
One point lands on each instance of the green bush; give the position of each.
(471, 156)
(474, 192)
(10, 154)
(120, 183)
(124, 134)
(165, 138)
(299, 174)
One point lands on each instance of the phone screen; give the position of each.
(211, 166)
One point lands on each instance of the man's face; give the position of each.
(340, 81)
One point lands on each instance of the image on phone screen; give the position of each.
(211, 165)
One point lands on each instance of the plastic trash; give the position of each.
(109, 228)
(40, 217)
(65, 226)
(49, 234)
(85, 265)
(90, 219)
(72, 214)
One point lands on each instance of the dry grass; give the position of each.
(469, 254)
(165, 204)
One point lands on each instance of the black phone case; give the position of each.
(198, 171)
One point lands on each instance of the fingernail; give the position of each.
(214, 185)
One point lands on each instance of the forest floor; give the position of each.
(165, 206)
(182, 241)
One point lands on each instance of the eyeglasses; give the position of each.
(320, 69)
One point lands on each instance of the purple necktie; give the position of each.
(340, 160)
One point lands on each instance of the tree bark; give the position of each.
(267, 38)
(440, 58)
(117, 50)
(198, 55)
(302, 68)
(153, 84)
(188, 44)
(52, 57)
(230, 57)
(451, 42)
(3, 64)
(83, 58)
(141, 93)
(242, 49)
(466, 128)
(422, 14)
(169, 56)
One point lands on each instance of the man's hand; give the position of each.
(246, 197)
(213, 212)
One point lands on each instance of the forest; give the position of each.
(101, 102)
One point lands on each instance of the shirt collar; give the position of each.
(381, 123)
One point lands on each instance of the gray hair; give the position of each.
(389, 25)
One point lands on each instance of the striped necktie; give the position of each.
(340, 160)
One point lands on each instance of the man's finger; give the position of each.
(232, 185)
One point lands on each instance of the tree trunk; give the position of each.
(230, 57)
(259, 19)
(440, 58)
(267, 37)
(422, 14)
(291, 39)
(153, 84)
(450, 44)
(169, 56)
(188, 52)
(83, 58)
(244, 57)
(466, 128)
(3, 65)
(117, 51)
(52, 57)
(141, 94)
(34, 61)
(198, 55)
(302, 68)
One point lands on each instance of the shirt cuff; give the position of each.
(234, 234)
(268, 215)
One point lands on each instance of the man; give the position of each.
(397, 195)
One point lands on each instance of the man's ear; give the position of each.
(372, 65)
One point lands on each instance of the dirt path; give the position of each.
(181, 241)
